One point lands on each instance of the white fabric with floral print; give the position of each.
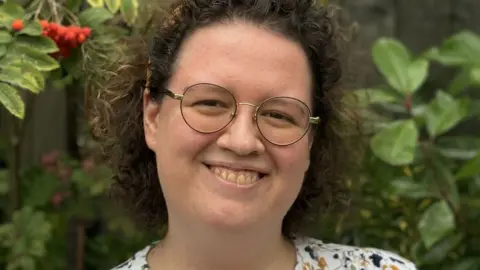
(313, 254)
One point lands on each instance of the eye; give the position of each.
(210, 103)
(279, 116)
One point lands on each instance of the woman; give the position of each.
(235, 137)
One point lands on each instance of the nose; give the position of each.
(242, 136)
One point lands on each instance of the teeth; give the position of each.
(237, 177)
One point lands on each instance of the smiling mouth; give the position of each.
(239, 177)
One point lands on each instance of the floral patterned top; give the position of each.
(313, 254)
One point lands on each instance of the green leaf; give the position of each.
(11, 10)
(113, 5)
(458, 147)
(12, 101)
(475, 75)
(33, 28)
(37, 59)
(93, 17)
(41, 43)
(461, 81)
(445, 57)
(5, 37)
(6, 232)
(436, 222)
(466, 264)
(74, 5)
(474, 109)
(456, 153)
(129, 10)
(439, 173)
(468, 142)
(3, 50)
(473, 204)
(406, 187)
(15, 76)
(471, 168)
(417, 74)
(440, 250)
(392, 59)
(396, 143)
(38, 77)
(370, 95)
(443, 113)
(95, 3)
(462, 48)
(41, 191)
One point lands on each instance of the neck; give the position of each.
(196, 248)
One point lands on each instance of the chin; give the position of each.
(229, 215)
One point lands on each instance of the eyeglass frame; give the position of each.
(311, 120)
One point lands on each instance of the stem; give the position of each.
(53, 7)
(72, 16)
(39, 8)
(408, 104)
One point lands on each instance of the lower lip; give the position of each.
(234, 185)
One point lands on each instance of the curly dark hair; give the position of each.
(118, 116)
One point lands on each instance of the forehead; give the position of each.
(252, 62)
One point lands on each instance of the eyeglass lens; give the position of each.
(209, 108)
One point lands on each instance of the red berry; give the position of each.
(81, 38)
(86, 31)
(53, 27)
(70, 36)
(44, 24)
(57, 38)
(75, 29)
(17, 25)
(62, 30)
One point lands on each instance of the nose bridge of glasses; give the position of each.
(248, 104)
(255, 107)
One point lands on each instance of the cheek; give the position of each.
(293, 160)
(175, 136)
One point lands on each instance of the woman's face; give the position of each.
(199, 173)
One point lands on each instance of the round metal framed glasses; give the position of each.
(209, 108)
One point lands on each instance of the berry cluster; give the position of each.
(66, 37)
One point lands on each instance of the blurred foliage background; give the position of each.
(419, 190)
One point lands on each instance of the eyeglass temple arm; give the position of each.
(314, 120)
(171, 94)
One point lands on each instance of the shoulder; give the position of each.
(313, 254)
(137, 262)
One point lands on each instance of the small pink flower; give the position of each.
(88, 165)
(50, 159)
(57, 199)
(65, 173)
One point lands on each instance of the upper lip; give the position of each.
(238, 166)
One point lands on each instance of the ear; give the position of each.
(150, 119)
